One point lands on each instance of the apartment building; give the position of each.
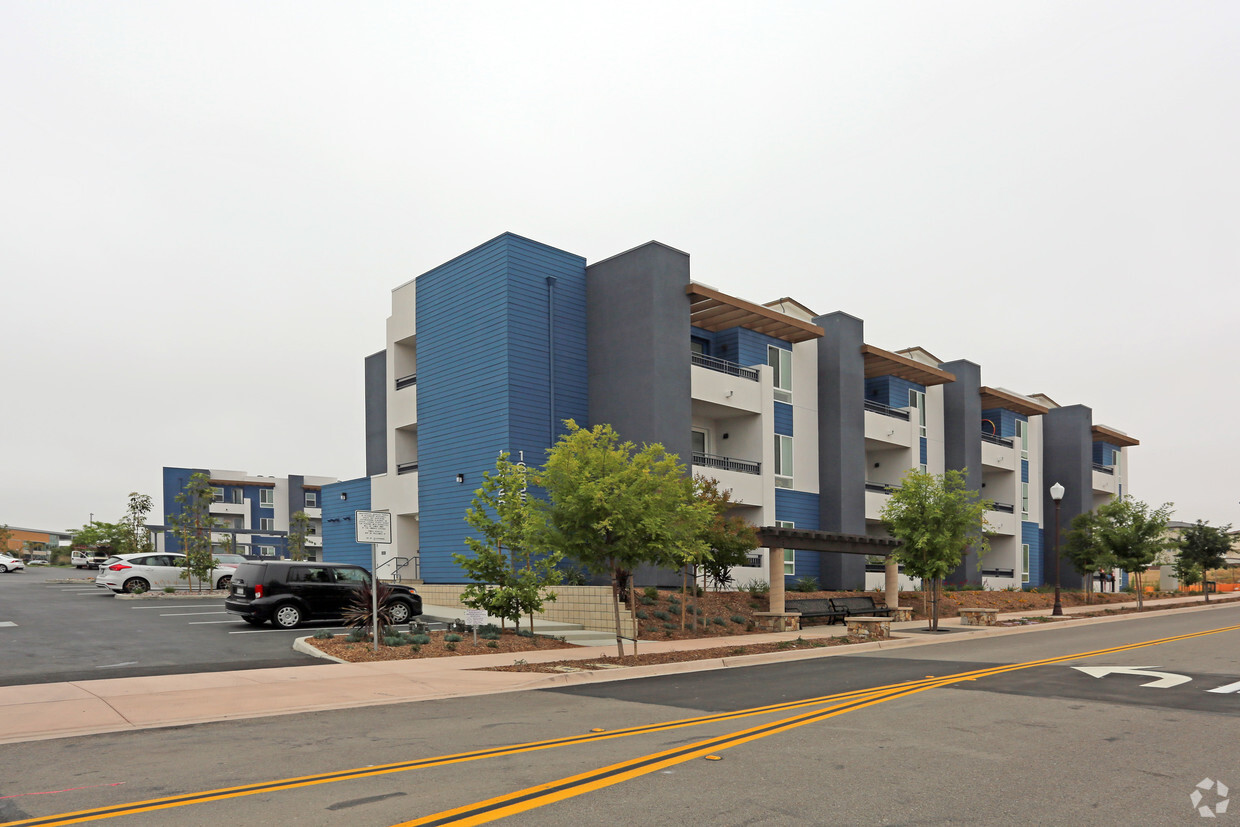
(808, 424)
(256, 510)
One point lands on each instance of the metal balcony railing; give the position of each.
(882, 487)
(724, 366)
(744, 466)
(1006, 442)
(406, 467)
(885, 410)
(1006, 508)
(407, 381)
(998, 572)
(1105, 469)
(753, 560)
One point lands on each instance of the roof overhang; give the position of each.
(879, 362)
(995, 398)
(803, 539)
(711, 310)
(1104, 434)
(255, 483)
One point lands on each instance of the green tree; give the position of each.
(298, 530)
(136, 538)
(937, 520)
(6, 538)
(1084, 552)
(726, 541)
(510, 579)
(613, 507)
(1202, 547)
(106, 537)
(1133, 533)
(192, 525)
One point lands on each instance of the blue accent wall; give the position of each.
(484, 376)
(800, 508)
(175, 480)
(1105, 453)
(891, 391)
(925, 451)
(783, 418)
(707, 338)
(1031, 533)
(1024, 471)
(746, 347)
(1003, 420)
(339, 533)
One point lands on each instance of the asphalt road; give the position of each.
(1025, 741)
(77, 631)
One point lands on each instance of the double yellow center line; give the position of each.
(824, 707)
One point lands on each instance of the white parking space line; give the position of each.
(114, 665)
(191, 614)
(300, 631)
(7, 623)
(205, 622)
(165, 608)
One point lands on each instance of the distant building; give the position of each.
(257, 510)
(805, 422)
(28, 540)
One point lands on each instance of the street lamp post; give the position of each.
(1057, 492)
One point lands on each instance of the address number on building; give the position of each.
(373, 527)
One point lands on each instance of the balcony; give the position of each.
(998, 452)
(1006, 508)
(1006, 442)
(1104, 469)
(1002, 522)
(886, 410)
(740, 476)
(724, 366)
(407, 467)
(1104, 481)
(236, 509)
(409, 381)
(885, 430)
(876, 496)
(313, 513)
(726, 387)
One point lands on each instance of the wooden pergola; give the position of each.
(800, 539)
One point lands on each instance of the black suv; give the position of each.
(288, 593)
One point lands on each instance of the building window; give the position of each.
(1024, 563)
(237, 496)
(217, 494)
(1022, 436)
(699, 441)
(780, 361)
(266, 551)
(790, 556)
(266, 524)
(1024, 501)
(312, 499)
(312, 530)
(267, 497)
(917, 401)
(783, 461)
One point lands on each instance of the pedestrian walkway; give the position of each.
(56, 710)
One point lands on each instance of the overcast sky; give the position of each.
(205, 206)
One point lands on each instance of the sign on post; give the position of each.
(475, 618)
(372, 527)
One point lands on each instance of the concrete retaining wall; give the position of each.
(590, 606)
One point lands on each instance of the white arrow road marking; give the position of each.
(7, 623)
(1228, 689)
(1164, 679)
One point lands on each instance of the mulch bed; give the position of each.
(509, 642)
(612, 662)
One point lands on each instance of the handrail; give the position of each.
(406, 467)
(744, 466)
(883, 487)
(398, 565)
(998, 572)
(406, 381)
(1105, 469)
(1006, 508)
(1006, 442)
(723, 366)
(885, 410)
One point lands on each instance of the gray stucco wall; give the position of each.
(637, 316)
(376, 413)
(841, 443)
(1067, 459)
(962, 442)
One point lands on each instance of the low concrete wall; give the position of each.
(590, 606)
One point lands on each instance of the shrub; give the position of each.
(662, 615)
(718, 621)
(452, 638)
(323, 634)
(416, 648)
(451, 647)
(642, 614)
(392, 640)
(646, 600)
(488, 629)
(673, 599)
(806, 584)
(356, 636)
(651, 592)
(669, 627)
(420, 640)
(757, 587)
(170, 589)
(492, 644)
(490, 635)
(739, 619)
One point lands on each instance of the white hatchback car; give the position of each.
(10, 563)
(144, 572)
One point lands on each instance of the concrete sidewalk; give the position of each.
(56, 710)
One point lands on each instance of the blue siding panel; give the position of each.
(925, 451)
(891, 391)
(707, 338)
(339, 533)
(746, 347)
(1032, 534)
(1024, 472)
(783, 419)
(801, 509)
(175, 480)
(484, 376)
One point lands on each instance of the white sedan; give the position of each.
(143, 572)
(10, 563)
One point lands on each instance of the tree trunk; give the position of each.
(615, 599)
(1136, 575)
(633, 611)
(934, 604)
(684, 594)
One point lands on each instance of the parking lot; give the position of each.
(70, 631)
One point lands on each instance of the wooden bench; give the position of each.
(978, 617)
(816, 607)
(859, 607)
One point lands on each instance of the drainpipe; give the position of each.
(551, 358)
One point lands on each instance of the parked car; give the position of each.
(143, 572)
(10, 563)
(88, 558)
(289, 593)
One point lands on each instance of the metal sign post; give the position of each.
(475, 618)
(373, 528)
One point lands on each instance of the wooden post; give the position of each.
(777, 581)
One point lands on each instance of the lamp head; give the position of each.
(1057, 492)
